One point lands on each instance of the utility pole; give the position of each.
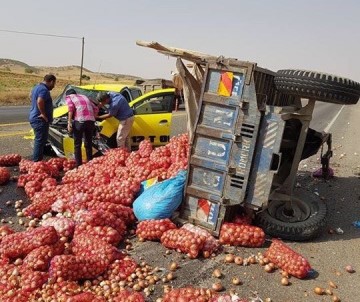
(82, 59)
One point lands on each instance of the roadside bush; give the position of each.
(29, 70)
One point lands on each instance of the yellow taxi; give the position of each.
(153, 112)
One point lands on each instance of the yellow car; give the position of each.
(154, 113)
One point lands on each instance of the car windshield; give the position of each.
(60, 100)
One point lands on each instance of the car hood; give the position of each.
(60, 111)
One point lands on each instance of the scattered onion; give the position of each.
(238, 260)
(217, 286)
(350, 269)
(235, 281)
(319, 291)
(229, 258)
(284, 281)
(217, 273)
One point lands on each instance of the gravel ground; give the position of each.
(328, 255)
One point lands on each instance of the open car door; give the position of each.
(153, 118)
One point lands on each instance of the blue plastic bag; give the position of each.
(162, 199)
(146, 184)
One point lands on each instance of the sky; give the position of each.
(320, 35)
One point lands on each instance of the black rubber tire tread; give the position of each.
(320, 86)
(296, 231)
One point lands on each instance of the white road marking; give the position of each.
(334, 119)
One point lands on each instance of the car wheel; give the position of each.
(306, 221)
(320, 86)
(48, 150)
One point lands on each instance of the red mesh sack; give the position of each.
(123, 212)
(211, 245)
(4, 175)
(39, 258)
(101, 218)
(120, 269)
(20, 244)
(94, 248)
(129, 296)
(242, 219)
(153, 229)
(10, 160)
(5, 230)
(183, 241)
(32, 187)
(85, 297)
(41, 203)
(64, 226)
(145, 148)
(105, 233)
(287, 259)
(241, 235)
(188, 294)
(70, 267)
(33, 280)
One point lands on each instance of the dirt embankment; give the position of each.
(15, 88)
(16, 80)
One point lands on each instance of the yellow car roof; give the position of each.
(108, 87)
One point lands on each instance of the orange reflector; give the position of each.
(225, 85)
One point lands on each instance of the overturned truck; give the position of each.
(249, 129)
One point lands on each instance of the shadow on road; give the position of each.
(342, 197)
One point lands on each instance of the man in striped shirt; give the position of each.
(81, 120)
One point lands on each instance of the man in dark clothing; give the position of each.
(120, 109)
(41, 114)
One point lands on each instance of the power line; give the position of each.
(39, 34)
(55, 36)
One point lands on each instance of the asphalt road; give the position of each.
(322, 116)
(328, 255)
(14, 114)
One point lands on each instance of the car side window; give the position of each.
(135, 93)
(156, 104)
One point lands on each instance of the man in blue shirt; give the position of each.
(120, 109)
(41, 114)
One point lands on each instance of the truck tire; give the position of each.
(316, 85)
(309, 224)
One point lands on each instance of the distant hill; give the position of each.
(17, 78)
(71, 72)
(9, 62)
